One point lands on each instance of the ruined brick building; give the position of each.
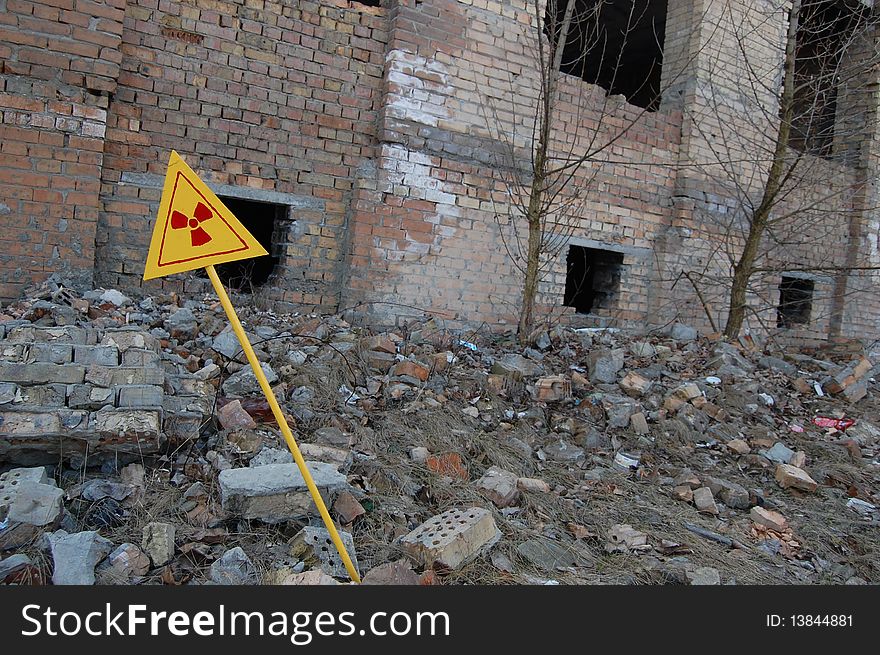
(353, 139)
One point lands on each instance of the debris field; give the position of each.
(136, 448)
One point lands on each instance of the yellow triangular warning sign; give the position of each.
(193, 228)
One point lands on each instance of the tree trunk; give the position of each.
(530, 284)
(536, 214)
(742, 271)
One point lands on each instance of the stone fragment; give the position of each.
(635, 385)
(704, 501)
(391, 573)
(232, 415)
(622, 538)
(75, 556)
(234, 568)
(547, 554)
(703, 575)
(532, 485)
(603, 365)
(791, 476)
(639, 423)
(739, 446)
(244, 383)
(309, 578)
(158, 542)
(347, 507)
(683, 492)
(513, 364)
(499, 486)
(769, 518)
(127, 561)
(779, 453)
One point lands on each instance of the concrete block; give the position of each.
(126, 424)
(53, 353)
(104, 376)
(314, 546)
(140, 357)
(41, 373)
(86, 396)
(452, 538)
(126, 338)
(45, 395)
(61, 334)
(183, 425)
(99, 355)
(13, 352)
(8, 392)
(33, 474)
(277, 492)
(139, 397)
(23, 423)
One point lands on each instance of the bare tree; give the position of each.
(791, 162)
(546, 195)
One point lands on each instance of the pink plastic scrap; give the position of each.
(839, 423)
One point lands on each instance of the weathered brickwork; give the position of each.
(391, 134)
(59, 60)
(266, 100)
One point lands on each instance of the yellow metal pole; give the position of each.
(282, 423)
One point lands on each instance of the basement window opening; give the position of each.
(592, 279)
(616, 44)
(824, 28)
(263, 220)
(795, 302)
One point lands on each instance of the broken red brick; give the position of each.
(449, 464)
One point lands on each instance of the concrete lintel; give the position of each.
(150, 180)
(808, 275)
(632, 251)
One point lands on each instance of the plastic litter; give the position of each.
(838, 423)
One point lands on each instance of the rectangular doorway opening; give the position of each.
(592, 279)
(795, 302)
(263, 220)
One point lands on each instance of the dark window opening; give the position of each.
(617, 44)
(795, 302)
(824, 28)
(592, 279)
(369, 3)
(262, 220)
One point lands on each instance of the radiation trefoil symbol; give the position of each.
(197, 234)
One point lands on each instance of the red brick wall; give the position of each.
(274, 97)
(59, 60)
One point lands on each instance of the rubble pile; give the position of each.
(136, 448)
